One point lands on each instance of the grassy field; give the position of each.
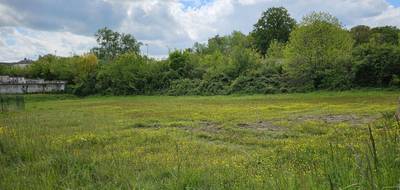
(324, 140)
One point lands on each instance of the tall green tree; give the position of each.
(125, 75)
(377, 65)
(275, 53)
(111, 44)
(318, 54)
(225, 44)
(274, 24)
(320, 17)
(179, 63)
(361, 34)
(385, 35)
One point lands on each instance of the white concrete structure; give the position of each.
(20, 85)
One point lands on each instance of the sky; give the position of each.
(29, 28)
(395, 2)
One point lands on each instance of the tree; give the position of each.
(274, 24)
(224, 44)
(181, 64)
(125, 75)
(217, 43)
(361, 34)
(275, 53)
(111, 44)
(319, 18)
(385, 34)
(377, 65)
(318, 54)
(238, 39)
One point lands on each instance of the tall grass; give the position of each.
(156, 143)
(11, 103)
(373, 163)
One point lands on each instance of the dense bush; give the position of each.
(70, 69)
(318, 54)
(184, 87)
(215, 84)
(377, 65)
(265, 80)
(126, 75)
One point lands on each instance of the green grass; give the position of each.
(288, 141)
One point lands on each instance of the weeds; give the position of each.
(151, 143)
(11, 103)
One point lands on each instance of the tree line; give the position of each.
(278, 56)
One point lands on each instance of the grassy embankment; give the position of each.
(296, 141)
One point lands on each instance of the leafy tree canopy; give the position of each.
(320, 17)
(274, 24)
(315, 48)
(361, 34)
(385, 34)
(111, 44)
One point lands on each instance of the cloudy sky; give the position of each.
(29, 28)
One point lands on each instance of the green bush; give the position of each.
(184, 87)
(265, 80)
(215, 85)
(126, 75)
(376, 64)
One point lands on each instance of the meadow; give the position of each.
(319, 140)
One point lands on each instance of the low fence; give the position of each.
(26, 88)
(11, 103)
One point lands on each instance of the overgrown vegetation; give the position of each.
(11, 103)
(324, 140)
(278, 56)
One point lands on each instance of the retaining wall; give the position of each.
(31, 88)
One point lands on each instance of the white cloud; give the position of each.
(391, 16)
(175, 26)
(170, 24)
(19, 43)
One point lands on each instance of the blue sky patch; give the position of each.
(395, 3)
(194, 3)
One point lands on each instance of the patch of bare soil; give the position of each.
(207, 126)
(262, 126)
(350, 118)
(213, 127)
(203, 126)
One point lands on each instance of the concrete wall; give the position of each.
(31, 88)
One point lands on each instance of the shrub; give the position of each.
(265, 80)
(184, 87)
(376, 64)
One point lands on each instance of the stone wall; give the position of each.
(31, 88)
(21, 85)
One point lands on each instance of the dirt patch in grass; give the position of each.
(349, 118)
(262, 126)
(270, 125)
(208, 126)
(329, 119)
